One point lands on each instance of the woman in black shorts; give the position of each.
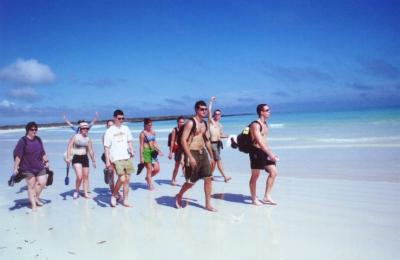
(80, 146)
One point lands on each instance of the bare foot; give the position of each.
(119, 197)
(257, 203)
(86, 196)
(125, 203)
(178, 201)
(269, 201)
(113, 201)
(209, 208)
(228, 179)
(173, 182)
(151, 187)
(75, 195)
(39, 203)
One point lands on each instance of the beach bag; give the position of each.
(50, 177)
(19, 176)
(243, 140)
(192, 132)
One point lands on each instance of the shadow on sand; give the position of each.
(166, 182)
(169, 201)
(22, 189)
(231, 197)
(24, 203)
(103, 197)
(67, 194)
(138, 185)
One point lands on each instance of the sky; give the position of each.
(158, 57)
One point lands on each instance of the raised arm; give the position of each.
(210, 103)
(95, 118)
(67, 121)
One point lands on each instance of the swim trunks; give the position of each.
(202, 169)
(259, 159)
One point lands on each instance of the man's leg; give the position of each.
(125, 181)
(253, 184)
(175, 173)
(178, 197)
(272, 173)
(115, 191)
(221, 170)
(207, 193)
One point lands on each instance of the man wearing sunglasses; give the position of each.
(261, 156)
(195, 145)
(118, 150)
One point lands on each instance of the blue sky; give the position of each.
(159, 57)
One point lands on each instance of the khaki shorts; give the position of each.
(124, 166)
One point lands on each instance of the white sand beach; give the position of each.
(332, 204)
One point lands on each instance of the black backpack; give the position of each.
(192, 131)
(170, 136)
(243, 140)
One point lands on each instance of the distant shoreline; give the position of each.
(99, 122)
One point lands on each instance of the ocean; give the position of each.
(347, 144)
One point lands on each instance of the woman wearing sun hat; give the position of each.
(80, 146)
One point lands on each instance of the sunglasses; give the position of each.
(120, 118)
(33, 129)
(266, 110)
(85, 128)
(203, 109)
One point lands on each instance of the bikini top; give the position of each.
(149, 138)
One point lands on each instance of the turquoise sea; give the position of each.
(347, 144)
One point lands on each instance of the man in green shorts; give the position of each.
(118, 150)
(195, 145)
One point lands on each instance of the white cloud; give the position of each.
(23, 93)
(27, 73)
(6, 104)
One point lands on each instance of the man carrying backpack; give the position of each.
(174, 148)
(261, 156)
(194, 143)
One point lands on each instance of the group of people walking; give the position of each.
(195, 146)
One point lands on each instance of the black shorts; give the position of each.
(259, 159)
(203, 166)
(178, 155)
(81, 159)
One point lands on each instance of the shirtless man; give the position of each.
(216, 135)
(197, 163)
(261, 156)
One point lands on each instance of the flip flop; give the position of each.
(140, 168)
(66, 181)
